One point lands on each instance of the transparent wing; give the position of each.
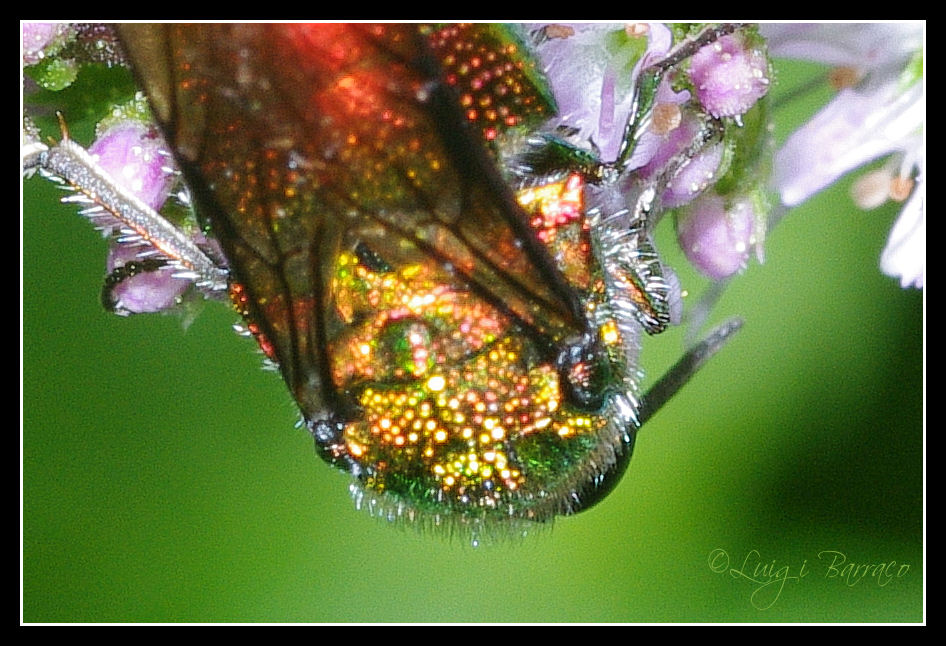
(304, 144)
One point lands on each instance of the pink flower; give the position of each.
(883, 114)
(37, 36)
(904, 256)
(696, 175)
(591, 84)
(729, 76)
(136, 157)
(717, 234)
(141, 286)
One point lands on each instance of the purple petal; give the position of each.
(36, 37)
(695, 176)
(585, 77)
(904, 257)
(715, 236)
(147, 291)
(136, 157)
(650, 142)
(861, 45)
(729, 76)
(853, 129)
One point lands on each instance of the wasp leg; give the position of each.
(111, 206)
(684, 370)
(645, 91)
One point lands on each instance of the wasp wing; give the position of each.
(305, 142)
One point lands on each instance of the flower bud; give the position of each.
(729, 76)
(717, 234)
(38, 36)
(136, 157)
(140, 286)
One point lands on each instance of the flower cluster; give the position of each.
(700, 135)
(710, 183)
(719, 197)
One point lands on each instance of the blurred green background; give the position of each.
(163, 480)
